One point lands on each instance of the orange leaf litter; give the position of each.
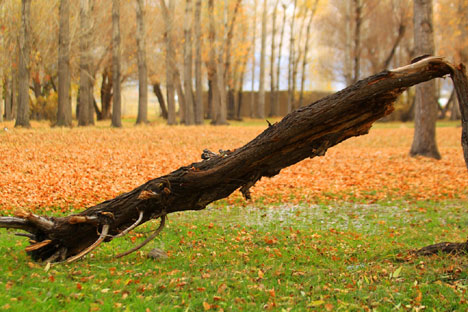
(58, 169)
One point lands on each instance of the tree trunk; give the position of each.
(425, 118)
(254, 38)
(168, 14)
(273, 111)
(162, 104)
(306, 52)
(106, 94)
(22, 114)
(64, 112)
(278, 68)
(229, 73)
(261, 88)
(291, 62)
(83, 109)
(357, 39)
(142, 68)
(117, 97)
(198, 65)
(8, 97)
(189, 113)
(304, 133)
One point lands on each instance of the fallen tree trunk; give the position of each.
(306, 132)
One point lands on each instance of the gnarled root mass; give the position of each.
(307, 132)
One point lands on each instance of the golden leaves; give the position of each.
(76, 168)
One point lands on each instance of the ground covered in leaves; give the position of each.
(331, 233)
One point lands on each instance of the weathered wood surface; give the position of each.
(307, 132)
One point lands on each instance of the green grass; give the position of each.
(335, 256)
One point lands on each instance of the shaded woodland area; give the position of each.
(191, 50)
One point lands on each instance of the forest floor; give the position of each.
(330, 233)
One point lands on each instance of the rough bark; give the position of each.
(170, 56)
(22, 113)
(106, 94)
(198, 64)
(261, 87)
(117, 96)
(306, 132)
(188, 88)
(84, 108)
(162, 104)
(425, 118)
(64, 112)
(142, 67)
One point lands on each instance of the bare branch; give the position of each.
(134, 225)
(105, 230)
(146, 241)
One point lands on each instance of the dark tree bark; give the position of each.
(64, 112)
(117, 97)
(306, 132)
(22, 114)
(162, 104)
(425, 117)
(106, 94)
(142, 67)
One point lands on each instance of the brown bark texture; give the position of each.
(425, 113)
(142, 67)
(305, 133)
(117, 97)
(64, 112)
(22, 114)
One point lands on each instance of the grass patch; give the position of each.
(336, 257)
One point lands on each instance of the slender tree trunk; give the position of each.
(228, 71)
(273, 111)
(64, 113)
(117, 97)
(198, 65)
(261, 92)
(306, 52)
(348, 66)
(221, 118)
(357, 39)
(188, 87)
(168, 15)
(291, 61)
(455, 113)
(142, 67)
(162, 104)
(424, 140)
(8, 97)
(212, 70)
(253, 99)
(22, 114)
(84, 91)
(106, 94)
(278, 68)
(2, 100)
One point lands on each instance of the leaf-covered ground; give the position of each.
(79, 167)
(328, 234)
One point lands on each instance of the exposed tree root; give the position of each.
(450, 248)
(305, 133)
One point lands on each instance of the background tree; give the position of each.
(117, 97)
(261, 91)
(424, 142)
(198, 64)
(84, 88)
(22, 115)
(188, 87)
(64, 112)
(142, 68)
